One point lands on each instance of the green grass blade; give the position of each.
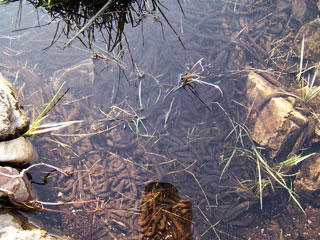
(52, 127)
(140, 96)
(202, 190)
(42, 115)
(168, 113)
(260, 183)
(301, 60)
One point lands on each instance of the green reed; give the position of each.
(36, 128)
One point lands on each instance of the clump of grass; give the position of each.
(36, 128)
(266, 174)
(307, 85)
(308, 90)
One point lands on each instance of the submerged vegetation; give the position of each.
(308, 89)
(143, 129)
(306, 82)
(36, 128)
(267, 175)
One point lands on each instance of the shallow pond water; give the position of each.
(157, 99)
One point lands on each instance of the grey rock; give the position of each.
(16, 188)
(11, 228)
(18, 151)
(12, 121)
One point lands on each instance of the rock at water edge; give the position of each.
(12, 121)
(277, 125)
(11, 228)
(17, 189)
(19, 151)
(307, 182)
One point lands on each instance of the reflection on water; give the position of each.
(85, 16)
(143, 135)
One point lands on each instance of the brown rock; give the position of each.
(17, 189)
(310, 32)
(278, 124)
(307, 182)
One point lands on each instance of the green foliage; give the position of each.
(266, 173)
(36, 128)
(308, 89)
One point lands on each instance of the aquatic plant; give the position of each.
(308, 89)
(36, 128)
(266, 173)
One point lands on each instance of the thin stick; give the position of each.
(34, 165)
